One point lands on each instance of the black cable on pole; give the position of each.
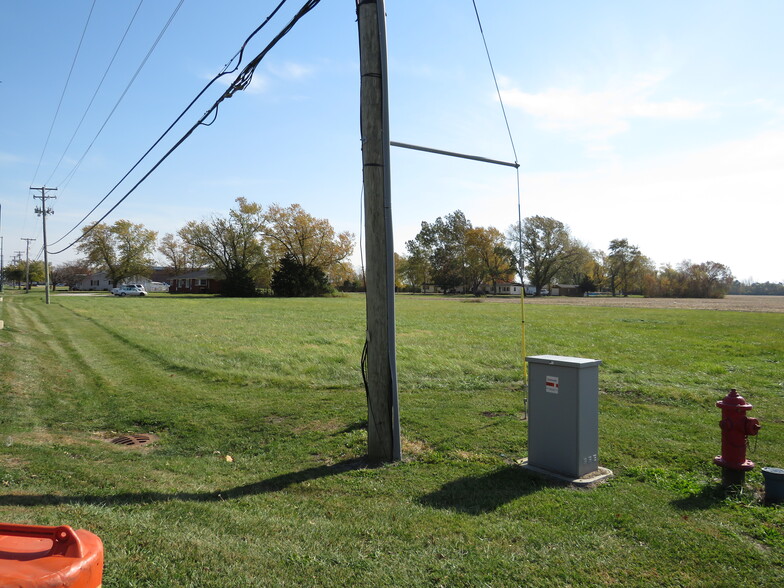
(225, 71)
(240, 83)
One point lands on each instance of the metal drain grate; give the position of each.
(132, 440)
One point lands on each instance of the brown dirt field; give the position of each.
(735, 303)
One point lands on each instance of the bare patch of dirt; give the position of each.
(47, 437)
(10, 462)
(414, 447)
(733, 303)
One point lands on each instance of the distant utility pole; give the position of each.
(383, 411)
(43, 211)
(17, 258)
(27, 264)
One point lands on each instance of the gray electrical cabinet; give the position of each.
(563, 414)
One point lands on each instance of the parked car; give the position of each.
(129, 290)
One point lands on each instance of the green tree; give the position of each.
(36, 271)
(547, 247)
(309, 241)
(444, 244)
(414, 268)
(401, 262)
(230, 245)
(15, 273)
(626, 267)
(489, 258)
(291, 278)
(123, 250)
(709, 279)
(579, 269)
(295, 237)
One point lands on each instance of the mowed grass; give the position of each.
(258, 478)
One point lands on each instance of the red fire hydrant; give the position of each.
(735, 428)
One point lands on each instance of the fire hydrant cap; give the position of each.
(734, 400)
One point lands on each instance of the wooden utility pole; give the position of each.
(43, 211)
(17, 259)
(27, 264)
(383, 412)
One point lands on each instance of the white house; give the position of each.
(97, 281)
(100, 281)
(511, 288)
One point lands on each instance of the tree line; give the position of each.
(453, 255)
(757, 288)
(252, 249)
(289, 252)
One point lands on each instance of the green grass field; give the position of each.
(258, 478)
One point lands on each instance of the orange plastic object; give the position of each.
(33, 556)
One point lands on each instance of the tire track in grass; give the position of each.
(22, 366)
(87, 375)
(67, 380)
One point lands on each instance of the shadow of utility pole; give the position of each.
(274, 484)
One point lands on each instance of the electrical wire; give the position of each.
(519, 206)
(108, 67)
(495, 80)
(62, 95)
(240, 83)
(225, 71)
(125, 91)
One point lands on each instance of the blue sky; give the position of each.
(660, 122)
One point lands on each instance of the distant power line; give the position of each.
(125, 91)
(95, 93)
(62, 95)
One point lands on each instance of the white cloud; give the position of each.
(723, 203)
(596, 116)
(291, 71)
(258, 84)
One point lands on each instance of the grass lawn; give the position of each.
(257, 477)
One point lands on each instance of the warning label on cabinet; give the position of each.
(551, 384)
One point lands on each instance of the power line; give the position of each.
(495, 80)
(108, 67)
(520, 262)
(62, 95)
(240, 83)
(225, 71)
(128, 87)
